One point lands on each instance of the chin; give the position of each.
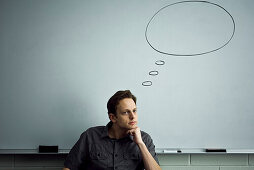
(132, 126)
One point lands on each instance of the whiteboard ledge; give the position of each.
(201, 151)
(240, 151)
(30, 151)
(158, 151)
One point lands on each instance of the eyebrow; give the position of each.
(130, 109)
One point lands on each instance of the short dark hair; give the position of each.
(114, 100)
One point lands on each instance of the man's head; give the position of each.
(122, 110)
(115, 99)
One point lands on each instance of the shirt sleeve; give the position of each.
(150, 146)
(77, 155)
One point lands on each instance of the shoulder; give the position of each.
(145, 136)
(148, 142)
(93, 131)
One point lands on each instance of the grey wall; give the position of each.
(167, 162)
(60, 61)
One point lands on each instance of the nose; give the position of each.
(132, 115)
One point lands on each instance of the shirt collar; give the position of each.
(105, 130)
(104, 133)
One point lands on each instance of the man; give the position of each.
(120, 145)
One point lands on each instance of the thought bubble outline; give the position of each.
(160, 62)
(201, 53)
(153, 73)
(147, 83)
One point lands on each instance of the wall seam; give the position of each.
(14, 161)
(248, 159)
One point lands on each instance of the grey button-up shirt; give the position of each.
(95, 151)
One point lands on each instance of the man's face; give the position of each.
(126, 114)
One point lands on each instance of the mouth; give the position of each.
(132, 123)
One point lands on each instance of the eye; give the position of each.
(125, 113)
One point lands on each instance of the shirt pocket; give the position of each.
(98, 158)
(132, 158)
(97, 155)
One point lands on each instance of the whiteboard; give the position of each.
(190, 64)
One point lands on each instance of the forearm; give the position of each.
(66, 169)
(149, 162)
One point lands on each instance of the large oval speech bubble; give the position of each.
(190, 28)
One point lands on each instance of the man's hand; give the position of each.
(149, 162)
(136, 135)
(66, 169)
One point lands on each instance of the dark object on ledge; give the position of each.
(48, 149)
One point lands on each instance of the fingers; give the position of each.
(131, 132)
(134, 131)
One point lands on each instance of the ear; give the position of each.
(112, 117)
